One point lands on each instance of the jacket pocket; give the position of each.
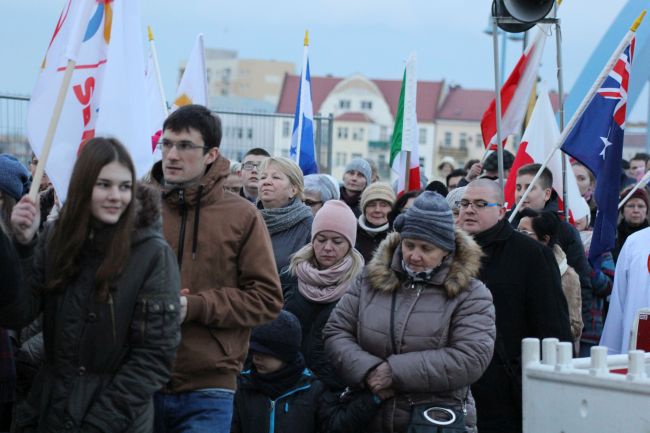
(152, 318)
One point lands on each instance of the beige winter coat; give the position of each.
(572, 292)
(443, 331)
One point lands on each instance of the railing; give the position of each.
(242, 130)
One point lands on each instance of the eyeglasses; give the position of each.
(249, 166)
(184, 146)
(526, 232)
(312, 203)
(476, 204)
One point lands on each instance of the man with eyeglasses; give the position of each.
(249, 172)
(229, 282)
(524, 280)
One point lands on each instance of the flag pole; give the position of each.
(407, 171)
(560, 87)
(639, 184)
(303, 76)
(154, 56)
(51, 130)
(583, 106)
(497, 89)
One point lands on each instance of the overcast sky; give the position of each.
(371, 37)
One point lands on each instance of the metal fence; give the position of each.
(241, 131)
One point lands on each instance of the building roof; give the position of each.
(427, 97)
(353, 116)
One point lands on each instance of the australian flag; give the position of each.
(302, 139)
(597, 142)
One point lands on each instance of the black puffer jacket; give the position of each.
(296, 410)
(103, 360)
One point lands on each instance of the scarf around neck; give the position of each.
(371, 228)
(323, 285)
(275, 384)
(283, 218)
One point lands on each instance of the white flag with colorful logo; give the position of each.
(404, 157)
(107, 90)
(193, 88)
(155, 97)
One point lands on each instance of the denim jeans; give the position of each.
(201, 411)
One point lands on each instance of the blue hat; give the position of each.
(281, 338)
(362, 166)
(14, 177)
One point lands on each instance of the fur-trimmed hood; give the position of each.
(385, 273)
(148, 215)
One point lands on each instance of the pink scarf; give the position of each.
(323, 285)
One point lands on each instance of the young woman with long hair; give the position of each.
(107, 285)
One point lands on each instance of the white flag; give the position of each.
(193, 88)
(106, 94)
(155, 101)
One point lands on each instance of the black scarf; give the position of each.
(275, 384)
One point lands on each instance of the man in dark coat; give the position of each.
(525, 283)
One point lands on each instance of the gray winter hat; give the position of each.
(428, 219)
(362, 166)
(454, 196)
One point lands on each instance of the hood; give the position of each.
(148, 217)
(384, 272)
(210, 184)
(560, 258)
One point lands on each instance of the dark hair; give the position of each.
(470, 163)
(640, 156)
(545, 179)
(399, 204)
(455, 173)
(258, 151)
(196, 117)
(544, 224)
(8, 203)
(437, 186)
(75, 224)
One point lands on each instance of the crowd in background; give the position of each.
(220, 296)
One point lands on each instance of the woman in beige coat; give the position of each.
(417, 327)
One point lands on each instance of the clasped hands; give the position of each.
(380, 381)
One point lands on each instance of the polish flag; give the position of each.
(540, 137)
(515, 93)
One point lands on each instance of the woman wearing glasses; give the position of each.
(280, 197)
(418, 328)
(319, 189)
(106, 283)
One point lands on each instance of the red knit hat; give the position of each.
(639, 193)
(336, 216)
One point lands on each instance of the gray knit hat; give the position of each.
(454, 196)
(321, 184)
(428, 219)
(14, 177)
(362, 166)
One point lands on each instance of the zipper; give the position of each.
(181, 233)
(143, 322)
(112, 307)
(273, 405)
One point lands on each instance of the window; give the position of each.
(383, 133)
(357, 155)
(286, 128)
(422, 137)
(342, 132)
(341, 158)
(366, 105)
(422, 162)
(344, 104)
(249, 133)
(357, 134)
(239, 132)
(463, 140)
(448, 137)
(479, 140)
(285, 153)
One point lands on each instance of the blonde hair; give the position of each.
(290, 169)
(306, 254)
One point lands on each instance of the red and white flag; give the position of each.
(515, 93)
(107, 91)
(193, 88)
(540, 137)
(155, 98)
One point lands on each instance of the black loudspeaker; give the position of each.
(527, 12)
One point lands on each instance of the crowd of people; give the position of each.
(219, 296)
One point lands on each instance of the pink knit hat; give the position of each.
(335, 216)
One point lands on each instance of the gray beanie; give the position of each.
(321, 184)
(14, 177)
(454, 196)
(362, 166)
(428, 219)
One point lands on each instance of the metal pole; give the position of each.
(504, 37)
(497, 89)
(330, 142)
(647, 125)
(318, 131)
(560, 89)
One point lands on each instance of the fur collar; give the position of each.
(384, 272)
(147, 211)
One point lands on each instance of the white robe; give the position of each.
(630, 293)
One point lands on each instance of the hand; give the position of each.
(25, 219)
(385, 394)
(183, 301)
(380, 378)
(475, 171)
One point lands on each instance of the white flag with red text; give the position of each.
(107, 91)
(540, 137)
(515, 93)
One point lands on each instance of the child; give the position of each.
(278, 394)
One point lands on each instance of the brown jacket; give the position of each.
(227, 263)
(442, 337)
(572, 292)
